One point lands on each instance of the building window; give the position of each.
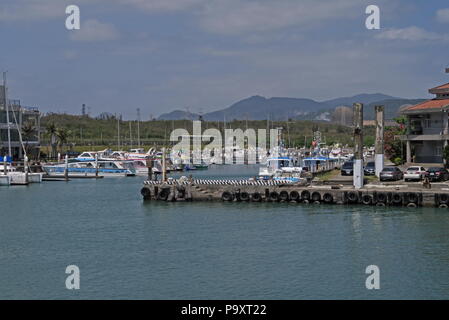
(438, 151)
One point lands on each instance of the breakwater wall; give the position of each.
(278, 191)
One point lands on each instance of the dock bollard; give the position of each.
(66, 170)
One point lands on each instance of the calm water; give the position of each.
(126, 248)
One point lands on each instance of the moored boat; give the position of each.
(108, 168)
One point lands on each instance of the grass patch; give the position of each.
(324, 176)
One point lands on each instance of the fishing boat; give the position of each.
(141, 166)
(279, 167)
(18, 177)
(201, 166)
(108, 168)
(317, 163)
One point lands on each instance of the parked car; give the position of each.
(391, 173)
(347, 169)
(415, 173)
(437, 174)
(370, 168)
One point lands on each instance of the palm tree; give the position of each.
(62, 135)
(51, 131)
(28, 133)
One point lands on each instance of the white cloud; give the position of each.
(412, 33)
(443, 15)
(93, 31)
(239, 16)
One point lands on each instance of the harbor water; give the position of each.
(131, 249)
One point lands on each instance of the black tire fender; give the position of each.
(227, 196)
(274, 196)
(328, 198)
(316, 196)
(305, 195)
(244, 196)
(294, 195)
(367, 199)
(353, 196)
(284, 196)
(256, 197)
(145, 192)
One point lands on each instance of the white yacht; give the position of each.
(106, 168)
(279, 167)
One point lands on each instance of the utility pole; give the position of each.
(379, 147)
(358, 145)
(5, 103)
(164, 168)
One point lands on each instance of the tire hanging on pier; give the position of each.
(294, 196)
(244, 196)
(274, 196)
(227, 196)
(411, 197)
(353, 197)
(328, 198)
(305, 195)
(316, 196)
(396, 199)
(256, 197)
(382, 197)
(284, 196)
(163, 194)
(367, 199)
(145, 192)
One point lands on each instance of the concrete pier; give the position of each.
(271, 191)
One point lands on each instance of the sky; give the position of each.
(204, 55)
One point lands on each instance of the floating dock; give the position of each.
(276, 191)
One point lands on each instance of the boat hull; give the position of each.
(87, 172)
(5, 180)
(18, 178)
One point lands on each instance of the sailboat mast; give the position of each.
(5, 101)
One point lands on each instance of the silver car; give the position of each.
(391, 173)
(415, 173)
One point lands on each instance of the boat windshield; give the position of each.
(108, 165)
(278, 163)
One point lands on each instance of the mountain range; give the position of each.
(281, 109)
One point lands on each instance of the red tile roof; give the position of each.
(444, 86)
(430, 104)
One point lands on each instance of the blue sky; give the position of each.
(204, 55)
